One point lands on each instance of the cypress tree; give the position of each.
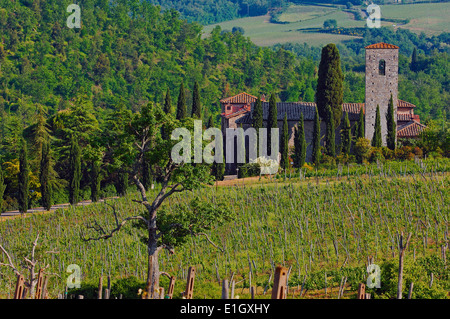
(272, 121)
(44, 177)
(284, 162)
(376, 139)
(75, 172)
(23, 179)
(218, 170)
(257, 121)
(2, 190)
(95, 180)
(168, 109)
(331, 135)
(391, 125)
(300, 144)
(330, 89)
(181, 104)
(316, 139)
(346, 135)
(196, 106)
(414, 61)
(210, 122)
(360, 130)
(122, 183)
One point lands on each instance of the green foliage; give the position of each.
(75, 172)
(376, 139)
(95, 181)
(346, 136)
(44, 176)
(329, 90)
(300, 144)
(249, 170)
(181, 104)
(360, 129)
(417, 272)
(190, 220)
(127, 287)
(362, 150)
(2, 189)
(196, 104)
(24, 172)
(330, 139)
(272, 121)
(316, 139)
(391, 125)
(284, 147)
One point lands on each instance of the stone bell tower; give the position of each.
(381, 82)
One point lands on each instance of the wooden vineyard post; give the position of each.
(44, 289)
(40, 282)
(225, 290)
(361, 291)
(171, 287)
(279, 283)
(18, 293)
(190, 283)
(100, 288)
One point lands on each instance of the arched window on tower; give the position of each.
(382, 67)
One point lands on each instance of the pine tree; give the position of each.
(391, 125)
(360, 130)
(181, 104)
(414, 61)
(196, 105)
(2, 190)
(300, 144)
(210, 122)
(44, 176)
(284, 162)
(24, 172)
(316, 140)
(272, 121)
(330, 89)
(122, 183)
(376, 139)
(331, 135)
(346, 135)
(168, 109)
(95, 180)
(75, 172)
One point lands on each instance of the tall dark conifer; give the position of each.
(376, 139)
(316, 140)
(331, 135)
(168, 109)
(414, 61)
(272, 121)
(181, 104)
(391, 125)
(95, 180)
(346, 135)
(257, 121)
(24, 172)
(300, 144)
(330, 89)
(74, 172)
(284, 147)
(196, 105)
(360, 129)
(2, 190)
(44, 176)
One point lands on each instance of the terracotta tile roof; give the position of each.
(405, 104)
(241, 98)
(381, 45)
(411, 129)
(404, 116)
(242, 110)
(292, 110)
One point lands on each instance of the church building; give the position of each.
(381, 80)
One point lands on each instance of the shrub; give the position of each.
(376, 154)
(127, 287)
(248, 170)
(362, 149)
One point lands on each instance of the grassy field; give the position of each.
(323, 226)
(431, 18)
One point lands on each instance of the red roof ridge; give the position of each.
(381, 45)
(224, 100)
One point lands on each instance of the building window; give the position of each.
(382, 67)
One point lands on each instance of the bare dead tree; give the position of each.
(30, 265)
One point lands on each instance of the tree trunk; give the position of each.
(153, 264)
